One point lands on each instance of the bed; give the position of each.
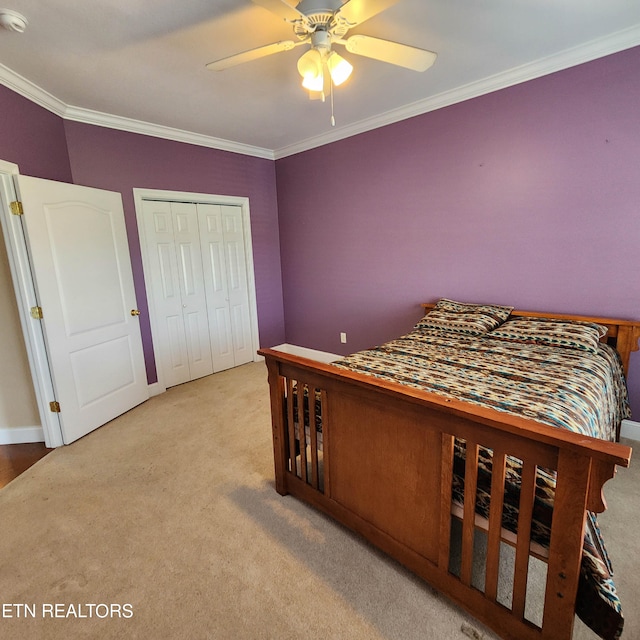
(419, 465)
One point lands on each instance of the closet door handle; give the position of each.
(135, 312)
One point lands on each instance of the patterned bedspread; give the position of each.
(576, 390)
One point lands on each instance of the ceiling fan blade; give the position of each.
(282, 9)
(252, 54)
(402, 55)
(357, 11)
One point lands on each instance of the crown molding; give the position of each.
(87, 116)
(614, 43)
(31, 91)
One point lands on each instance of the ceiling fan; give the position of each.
(323, 23)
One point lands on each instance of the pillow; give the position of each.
(464, 318)
(571, 334)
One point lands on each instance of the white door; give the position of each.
(78, 247)
(225, 272)
(199, 284)
(177, 287)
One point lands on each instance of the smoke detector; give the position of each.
(12, 20)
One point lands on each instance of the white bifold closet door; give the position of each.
(225, 274)
(199, 288)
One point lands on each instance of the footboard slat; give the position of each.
(446, 474)
(302, 427)
(326, 444)
(468, 522)
(495, 523)
(525, 514)
(291, 427)
(313, 437)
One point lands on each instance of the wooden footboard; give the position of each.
(383, 466)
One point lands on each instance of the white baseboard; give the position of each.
(21, 435)
(305, 352)
(630, 429)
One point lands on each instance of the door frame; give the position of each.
(140, 195)
(26, 297)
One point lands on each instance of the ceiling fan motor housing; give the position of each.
(309, 7)
(320, 39)
(320, 17)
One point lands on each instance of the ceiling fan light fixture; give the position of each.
(339, 68)
(310, 68)
(313, 83)
(322, 24)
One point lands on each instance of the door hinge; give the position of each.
(54, 406)
(16, 208)
(36, 313)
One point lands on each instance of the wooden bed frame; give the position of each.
(384, 469)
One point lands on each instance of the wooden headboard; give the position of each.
(621, 334)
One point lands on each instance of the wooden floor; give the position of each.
(16, 458)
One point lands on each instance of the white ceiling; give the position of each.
(140, 64)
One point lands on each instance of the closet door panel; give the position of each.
(192, 288)
(212, 241)
(237, 283)
(164, 282)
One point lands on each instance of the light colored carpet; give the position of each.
(171, 509)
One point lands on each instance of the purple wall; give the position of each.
(119, 161)
(33, 138)
(527, 196)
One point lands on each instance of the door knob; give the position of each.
(135, 312)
